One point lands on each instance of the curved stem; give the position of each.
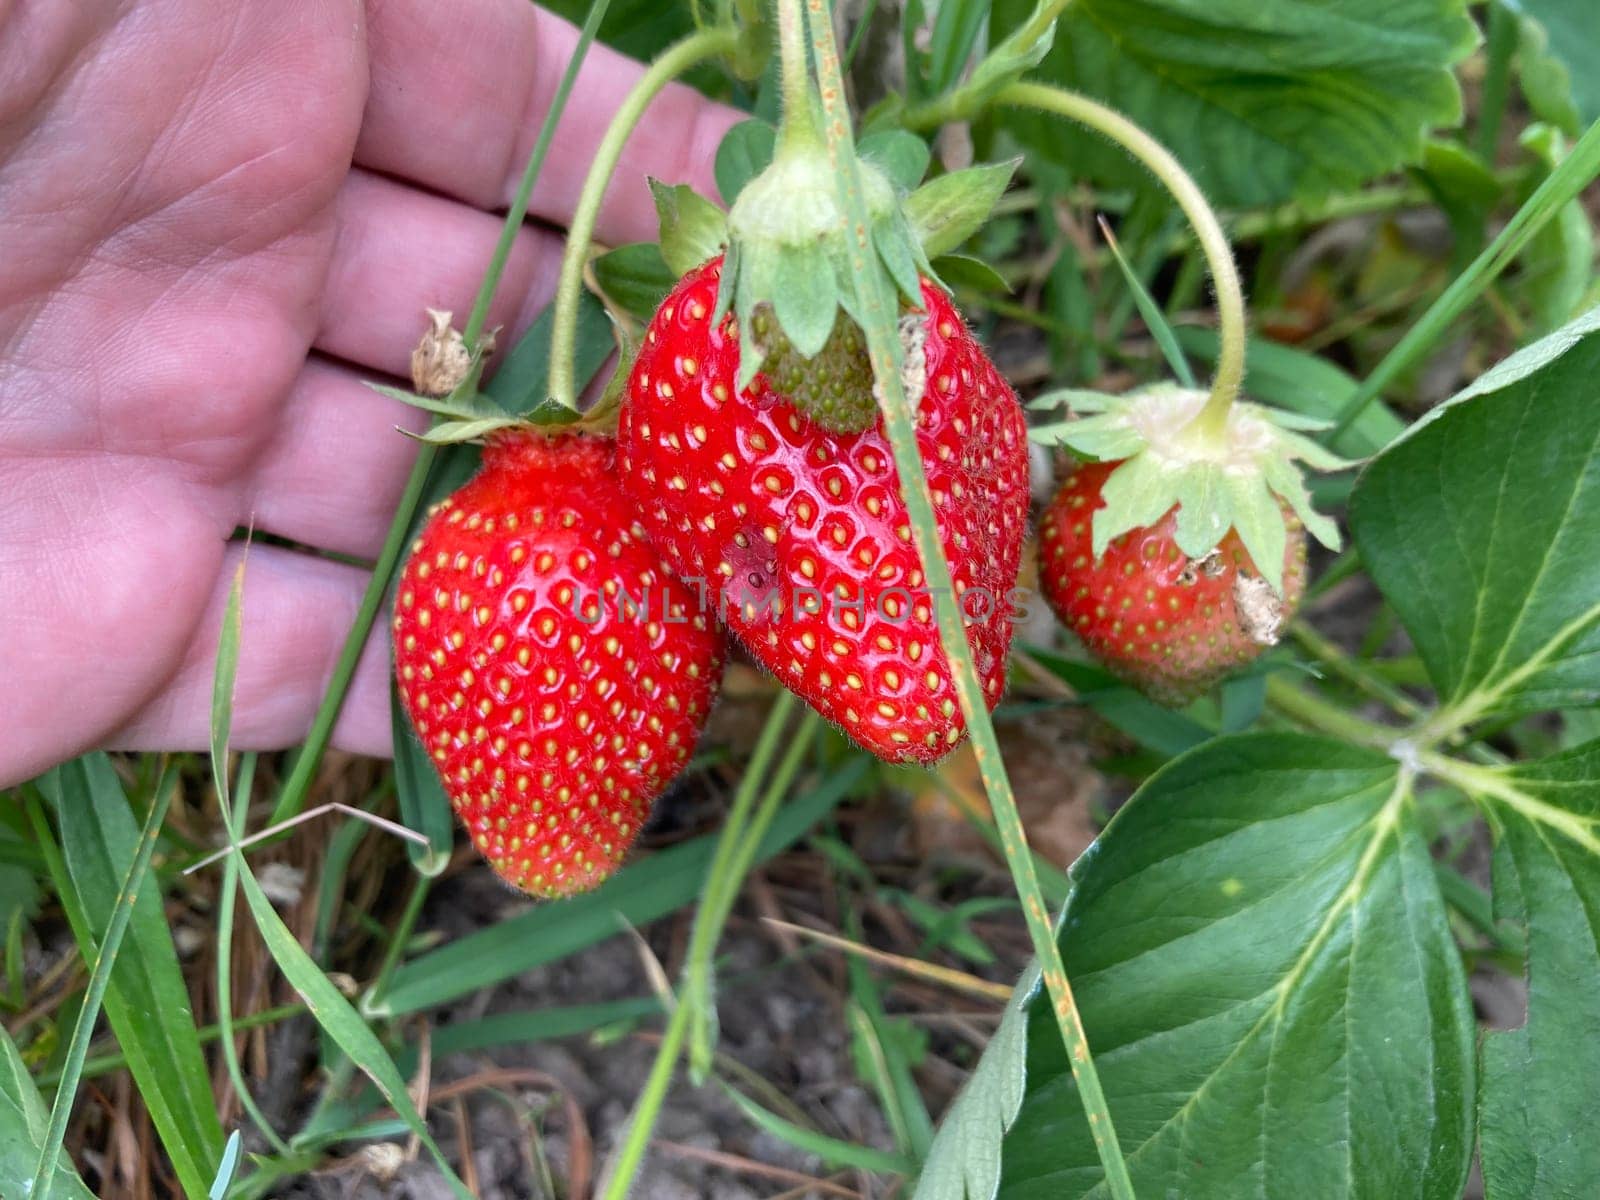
(694, 49)
(796, 76)
(1213, 242)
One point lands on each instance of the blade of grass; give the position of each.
(1155, 320)
(147, 1003)
(1576, 172)
(293, 795)
(225, 1172)
(116, 926)
(335, 1014)
(23, 1125)
(832, 1151)
(234, 814)
(724, 884)
(883, 344)
(688, 1012)
(224, 980)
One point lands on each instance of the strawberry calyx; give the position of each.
(789, 246)
(1236, 475)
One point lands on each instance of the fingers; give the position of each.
(335, 471)
(104, 562)
(399, 251)
(458, 92)
(296, 613)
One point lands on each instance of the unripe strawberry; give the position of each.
(1170, 624)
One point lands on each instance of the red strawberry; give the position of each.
(555, 673)
(801, 535)
(1169, 624)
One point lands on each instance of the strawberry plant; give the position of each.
(1299, 449)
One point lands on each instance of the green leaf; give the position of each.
(230, 1166)
(1572, 39)
(1262, 102)
(1537, 1079)
(147, 1002)
(964, 271)
(1466, 190)
(636, 278)
(23, 1121)
(638, 894)
(745, 152)
(520, 384)
(1557, 267)
(832, 1151)
(1125, 709)
(1270, 987)
(693, 229)
(955, 31)
(424, 807)
(335, 1014)
(964, 1161)
(1480, 527)
(946, 211)
(899, 154)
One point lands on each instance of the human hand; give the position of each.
(194, 282)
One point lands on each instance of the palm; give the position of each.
(196, 283)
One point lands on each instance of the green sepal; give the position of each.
(1077, 399)
(1240, 479)
(448, 433)
(635, 278)
(790, 246)
(946, 211)
(693, 230)
(804, 301)
(550, 413)
(471, 408)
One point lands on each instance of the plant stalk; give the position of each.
(879, 322)
(292, 798)
(1560, 187)
(99, 979)
(690, 51)
(1229, 376)
(729, 863)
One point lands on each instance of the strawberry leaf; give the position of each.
(744, 153)
(1262, 102)
(1480, 526)
(693, 230)
(1258, 949)
(946, 211)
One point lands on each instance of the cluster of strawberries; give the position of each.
(559, 623)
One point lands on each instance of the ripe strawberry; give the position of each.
(555, 673)
(801, 535)
(1171, 625)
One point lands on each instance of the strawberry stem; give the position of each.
(878, 320)
(798, 127)
(693, 1009)
(678, 58)
(1158, 159)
